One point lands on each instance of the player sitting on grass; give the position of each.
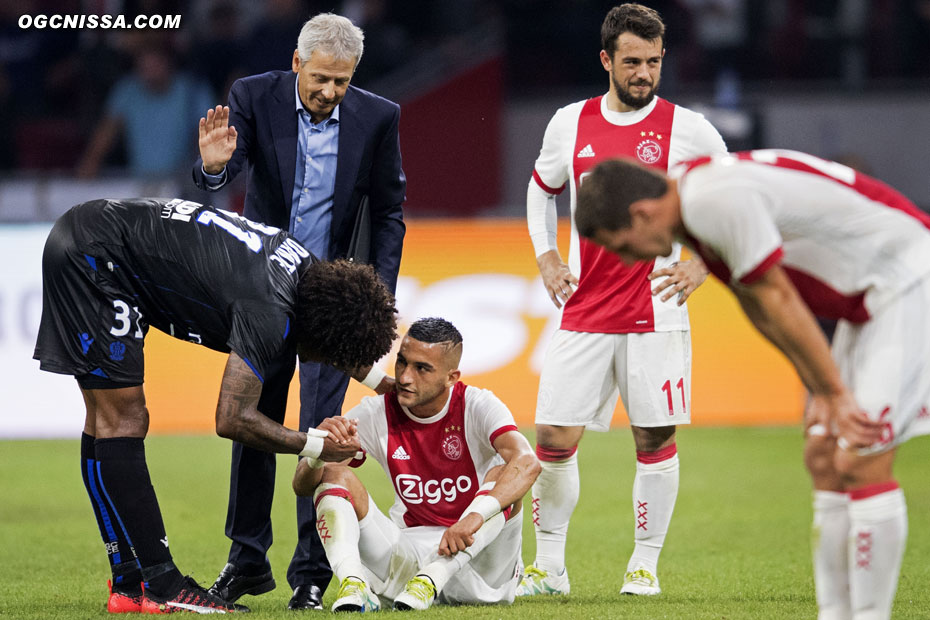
(459, 469)
(113, 268)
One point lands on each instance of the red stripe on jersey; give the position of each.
(337, 492)
(501, 431)
(554, 455)
(658, 456)
(612, 297)
(429, 464)
(825, 301)
(872, 490)
(760, 269)
(546, 188)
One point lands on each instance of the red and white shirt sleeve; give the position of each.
(730, 219)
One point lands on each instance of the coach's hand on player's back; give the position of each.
(559, 281)
(217, 140)
(461, 534)
(680, 279)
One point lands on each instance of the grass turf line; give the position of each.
(738, 546)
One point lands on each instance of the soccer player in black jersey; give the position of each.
(113, 268)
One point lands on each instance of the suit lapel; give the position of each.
(351, 142)
(284, 136)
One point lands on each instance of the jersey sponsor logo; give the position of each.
(400, 454)
(117, 351)
(180, 210)
(452, 447)
(414, 490)
(587, 151)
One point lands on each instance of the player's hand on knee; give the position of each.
(680, 279)
(854, 428)
(461, 534)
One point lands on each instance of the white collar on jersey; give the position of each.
(626, 118)
(432, 418)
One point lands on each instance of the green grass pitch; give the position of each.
(738, 545)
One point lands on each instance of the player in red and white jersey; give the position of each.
(615, 338)
(790, 234)
(459, 468)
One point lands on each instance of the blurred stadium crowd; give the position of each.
(59, 89)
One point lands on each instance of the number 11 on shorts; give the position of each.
(667, 388)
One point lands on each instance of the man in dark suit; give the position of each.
(315, 149)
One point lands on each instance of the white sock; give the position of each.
(655, 489)
(877, 535)
(555, 495)
(443, 568)
(337, 526)
(829, 539)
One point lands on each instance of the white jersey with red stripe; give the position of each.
(612, 297)
(435, 464)
(849, 243)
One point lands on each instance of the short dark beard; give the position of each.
(637, 103)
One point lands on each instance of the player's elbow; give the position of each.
(227, 428)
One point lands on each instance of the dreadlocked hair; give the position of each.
(345, 313)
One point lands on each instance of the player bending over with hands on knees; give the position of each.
(459, 469)
(794, 235)
(111, 269)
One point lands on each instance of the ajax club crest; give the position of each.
(649, 150)
(453, 444)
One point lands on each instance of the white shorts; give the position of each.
(886, 364)
(583, 374)
(393, 555)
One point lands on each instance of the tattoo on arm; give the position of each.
(238, 417)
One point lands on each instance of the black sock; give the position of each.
(123, 563)
(125, 484)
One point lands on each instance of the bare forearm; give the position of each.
(779, 313)
(238, 417)
(516, 479)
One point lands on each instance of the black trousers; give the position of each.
(252, 477)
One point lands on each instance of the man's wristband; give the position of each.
(314, 446)
(373, 378)
(484, 505)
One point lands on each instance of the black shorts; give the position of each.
(90, 324)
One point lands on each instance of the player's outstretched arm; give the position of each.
(238, 418)
(776, 309)
(681, 279)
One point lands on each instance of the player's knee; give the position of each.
(819, 457)
(564, 438)
(653, 439)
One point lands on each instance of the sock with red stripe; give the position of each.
(338, 529)
(555, 495)
(655, 489)
(829, 541)
(877, 536)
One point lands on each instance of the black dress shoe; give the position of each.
(306, 597)
(232, 583)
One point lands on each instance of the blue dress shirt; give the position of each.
(314, 178)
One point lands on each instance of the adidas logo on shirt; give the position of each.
(400, 454)
(587, 151)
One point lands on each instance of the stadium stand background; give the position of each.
(478, 81)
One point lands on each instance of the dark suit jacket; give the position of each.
(261, 108)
